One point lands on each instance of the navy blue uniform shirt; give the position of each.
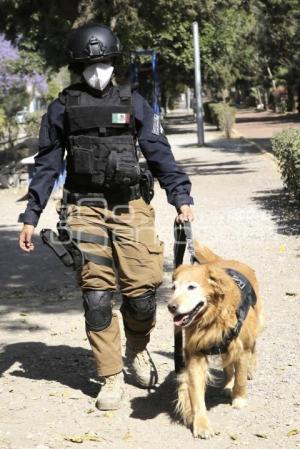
(154, 146)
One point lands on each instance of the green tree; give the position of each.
(243, 42)
(277, 38)
(228, 45)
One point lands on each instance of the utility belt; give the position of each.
(100, 198)
(144, 189)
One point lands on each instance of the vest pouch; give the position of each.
(83, 161)
(82, 152)
(89, 155)
(122, 167)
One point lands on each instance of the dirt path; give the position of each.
(261, 126)
(48, 380)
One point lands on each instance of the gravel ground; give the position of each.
(48, 379)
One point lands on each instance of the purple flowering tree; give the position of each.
(8, 53)
(20, 81)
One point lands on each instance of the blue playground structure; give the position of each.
(135, 74)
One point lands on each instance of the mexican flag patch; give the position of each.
(120, 119)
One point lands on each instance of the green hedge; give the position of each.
(286, 147)
(207, 111)
(221, 115)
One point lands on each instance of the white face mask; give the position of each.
(98, 75)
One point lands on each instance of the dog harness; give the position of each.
(183, 238)
(248, 299)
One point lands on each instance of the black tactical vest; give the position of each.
(101, 151)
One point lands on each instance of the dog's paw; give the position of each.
(202, 429)
(239, 402)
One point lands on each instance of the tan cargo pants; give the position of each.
(125, 254)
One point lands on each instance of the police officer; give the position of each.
(97, 123)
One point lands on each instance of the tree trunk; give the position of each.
(291, 98)
(266, 99)
(164, 102)
(271, 77)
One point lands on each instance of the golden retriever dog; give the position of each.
(206, 304)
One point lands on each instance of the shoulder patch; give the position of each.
(156, 125)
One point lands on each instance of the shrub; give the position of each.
(207, 111)
(286, 147)
(223, 117)
(33, 122)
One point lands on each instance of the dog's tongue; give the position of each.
(180, 320)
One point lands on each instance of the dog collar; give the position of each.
(248, 299)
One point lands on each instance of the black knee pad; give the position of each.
(98, 309)
(141, 308)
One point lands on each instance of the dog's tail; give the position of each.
(205, 255)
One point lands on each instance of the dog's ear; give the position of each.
(196, 261)
(215, 279)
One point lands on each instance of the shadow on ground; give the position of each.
(283, 209)
(19, 269)
(193, 167)
(223, 145)
(37, 281)
(163, 399)
(262, 143)
(69, 366)
(289, 118)
(237, 146)
(183, 124)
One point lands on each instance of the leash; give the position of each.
(183, 239)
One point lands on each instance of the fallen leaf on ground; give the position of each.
(261, 435)
(290, 293)
(109, 414)
(293, 432)
(127, 436)
(91, 437)
(23, 314)
(81, 438)
(282, 248)
(233, 437)
(74, 439)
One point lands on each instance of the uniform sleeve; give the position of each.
(48, 162)
(156, 150)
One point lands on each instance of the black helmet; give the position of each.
(92, 42)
